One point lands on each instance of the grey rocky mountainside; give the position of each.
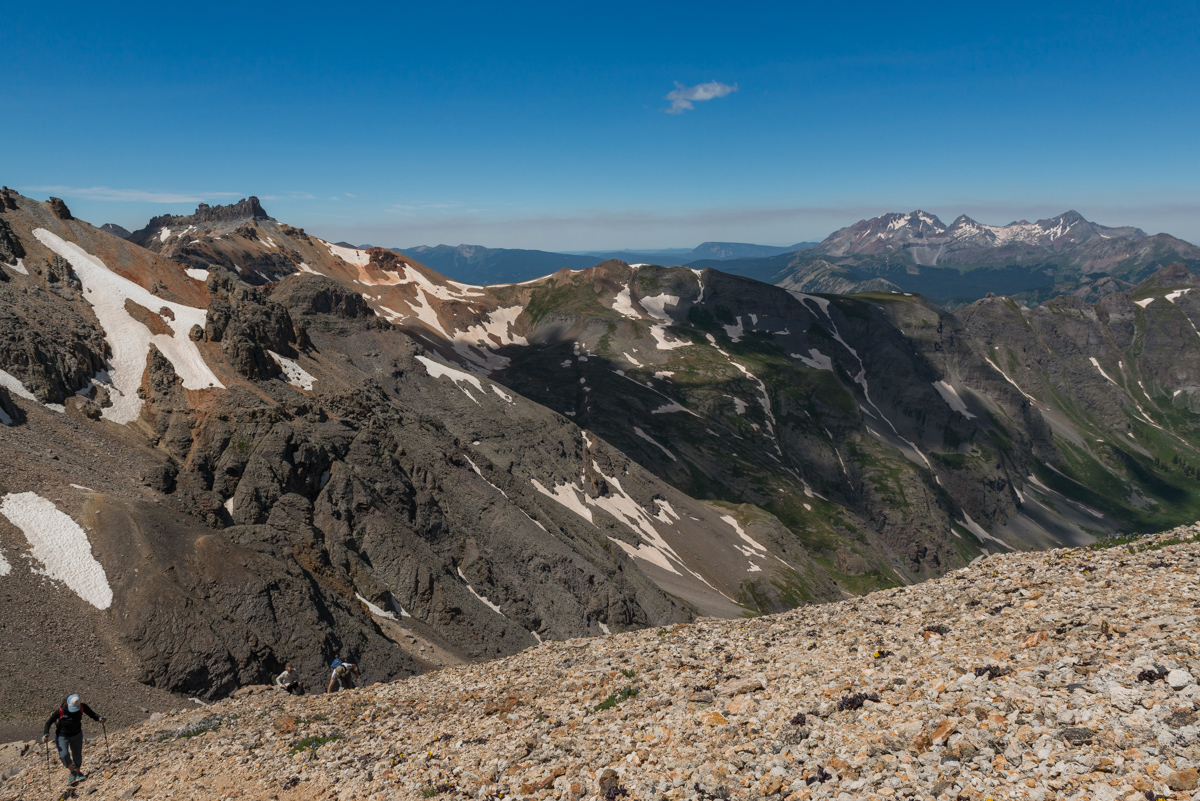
(889, 438)
(332, 489)
(279, 448)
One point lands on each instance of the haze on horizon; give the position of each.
(606, 126)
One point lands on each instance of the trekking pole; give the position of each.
(46, 748)
(107, 750)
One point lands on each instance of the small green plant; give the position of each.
(629, 674)
(616, 698)
(430, 790)
(315, 741)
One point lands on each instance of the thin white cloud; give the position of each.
(290, 196)
(682, 97)
(129, 195)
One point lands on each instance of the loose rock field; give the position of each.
(1068, 674)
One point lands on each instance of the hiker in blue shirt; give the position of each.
(342, 678)
(68, 734)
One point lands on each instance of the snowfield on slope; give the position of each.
(60, 545)
(293, 373)
(130, 339)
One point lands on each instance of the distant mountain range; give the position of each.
(958, 263)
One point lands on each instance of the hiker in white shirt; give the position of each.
(289, 681)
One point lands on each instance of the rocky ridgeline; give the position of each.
(1067, 674)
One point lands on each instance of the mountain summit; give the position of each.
(927, 241)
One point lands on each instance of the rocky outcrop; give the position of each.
(59, 209)
(245, 209)
(248, 325)
(10, 246)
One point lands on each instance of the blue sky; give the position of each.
(547, 125)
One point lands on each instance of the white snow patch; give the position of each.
(623, 305)
(5, 567)
(739, 404)
(164, 235)
(1009, 380)
(632, 360)
(493, 332)
(1096, 364)
(1178, 293)
(197, 274)
(816, 360)
(668, 408)
(437, 370)
(508, 398)
(426, 313)
(651, 440)
(656, 306)
(60, 545)
(293, 373)
(81, 487)
(359, 258)
(735, 332)
(392, 315)
(978, 530)
(19, 267)
(566, 495)
(603, 627)
(666, 513)
(375, 610)
(412, 275)
(659, 332)
(647, 552)
(479, 473)
(756, 548)
(485, 601)
(950, 396)
(13, 385)
(129, 339)
(304, 268)
(626, 510)
(664, 374)
(1144, 302)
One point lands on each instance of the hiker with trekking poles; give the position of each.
(342, 678)
(68, 734)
